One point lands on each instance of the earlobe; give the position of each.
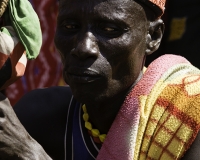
(154, 36)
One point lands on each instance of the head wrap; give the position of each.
(158, 6)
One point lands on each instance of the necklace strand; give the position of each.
(97, 137)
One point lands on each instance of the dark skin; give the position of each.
(105, 53)
(15, 141)
(103, 45)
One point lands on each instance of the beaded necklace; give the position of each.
(97, 137)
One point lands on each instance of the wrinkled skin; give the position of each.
(15, 142)
(103, 45)
(103, 51)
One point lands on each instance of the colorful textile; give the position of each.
(12, 57)
(158, 6)
(46, 69)
(20, 39)
(160, 117)
(26, 23)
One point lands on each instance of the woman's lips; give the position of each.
(81, 75)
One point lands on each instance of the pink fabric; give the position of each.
(120, 141)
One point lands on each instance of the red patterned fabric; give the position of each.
(45, 70)
(12, 57)
(159, 3)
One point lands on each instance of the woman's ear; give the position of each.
(154, 35)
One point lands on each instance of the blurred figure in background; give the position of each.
(39, 72)
(20, 39)
(182, 36)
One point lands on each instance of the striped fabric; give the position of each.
(168, 129)
(12, 57)
(20, 39)
(160, 117)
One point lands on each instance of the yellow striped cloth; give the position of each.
(160, 117)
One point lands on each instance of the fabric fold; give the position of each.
(144, 127)
(26, 23)
(20, 38)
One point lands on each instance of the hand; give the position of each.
(15, 142)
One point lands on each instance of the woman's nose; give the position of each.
(86, 47)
